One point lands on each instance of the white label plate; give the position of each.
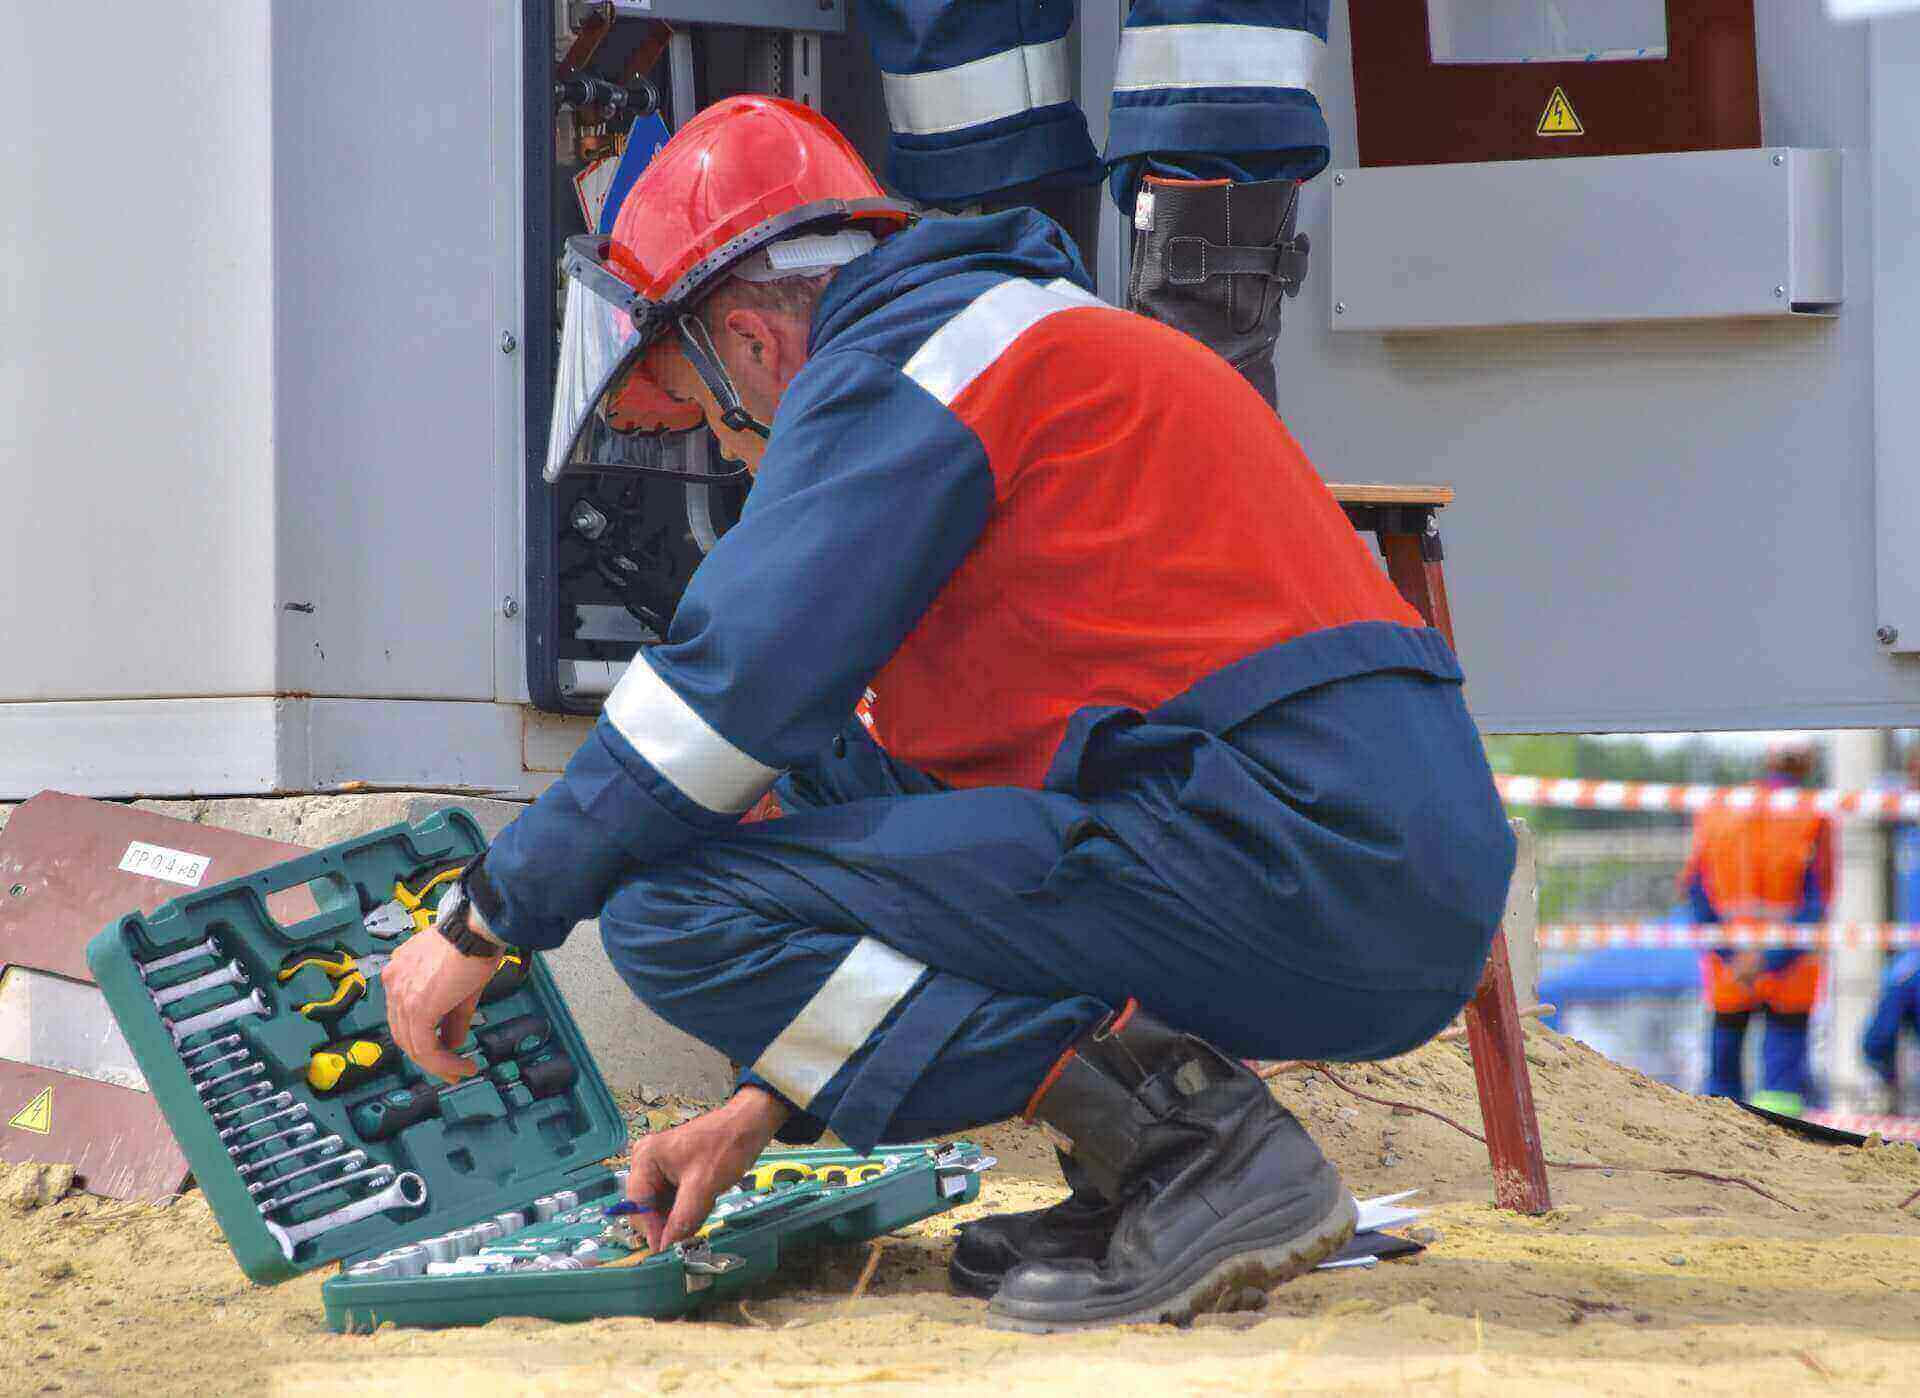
(159, 862)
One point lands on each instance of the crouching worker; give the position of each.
(1162, 772)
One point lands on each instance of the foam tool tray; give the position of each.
(240, 1096)
(315, 1141)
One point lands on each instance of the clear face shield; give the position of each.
(610, 408)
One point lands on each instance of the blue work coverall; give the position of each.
(1151, 723)
(979, 94)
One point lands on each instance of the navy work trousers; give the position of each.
(903, 961)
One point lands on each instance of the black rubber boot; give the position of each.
(1220, 1188)
(1077, 1226)
(1216, 259)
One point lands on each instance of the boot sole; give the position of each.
(1220, 1275)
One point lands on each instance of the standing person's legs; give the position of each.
(1732, 1003)
(1790, 993)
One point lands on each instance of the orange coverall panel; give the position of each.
(1792, 990)
(1753, 865)
(1760, 867)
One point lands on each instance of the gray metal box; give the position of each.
(826, 16)
(1704, 235)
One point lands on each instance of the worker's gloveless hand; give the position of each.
(679, 1172)
(1747, 966)
(432, 990)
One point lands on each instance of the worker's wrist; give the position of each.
(759, 1110)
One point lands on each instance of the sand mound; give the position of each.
(1635, 1281)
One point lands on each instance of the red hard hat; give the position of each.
(746, 173)
(733, 167)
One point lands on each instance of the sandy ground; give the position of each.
(1636, 1283)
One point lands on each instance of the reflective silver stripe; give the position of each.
(959, 351)
(837, 1020)
(665, 730)
(987, 89)
(1217, 55)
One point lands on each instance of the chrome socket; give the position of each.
(408, 1261)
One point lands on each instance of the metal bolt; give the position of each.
(1887, 635)
(1339, 308)
(1779, 293)
(509, 606)
(1339, 179)
(507, 343)
(1779, 160)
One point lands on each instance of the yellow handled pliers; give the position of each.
(409, 910)
(348, 973)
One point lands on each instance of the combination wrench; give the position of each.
(277, 1099)
(254, 1004)
(297, 1111)
(353, 1160)
(383, 1173)
(326, 1145)
(252, 1070)
(225, 1041)
(408, 1191)
(148, 969)
(230, 974)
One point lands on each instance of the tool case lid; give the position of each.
(480, 1158)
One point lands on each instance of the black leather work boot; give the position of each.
(1216, 259)
(1219, 1186)
(1077, 1226)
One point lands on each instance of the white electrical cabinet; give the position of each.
(260, 398)
(276, 337)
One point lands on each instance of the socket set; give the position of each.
(315, 1141)
(574, 1254)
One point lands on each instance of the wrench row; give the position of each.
(232, 973)
(235, 1088)
(469, 1251)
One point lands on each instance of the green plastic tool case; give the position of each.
(494, 1149)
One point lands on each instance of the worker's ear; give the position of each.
(754, 340)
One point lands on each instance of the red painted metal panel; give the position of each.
(1705, 95)
(61, 881)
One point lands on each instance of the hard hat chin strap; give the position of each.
(697, 345)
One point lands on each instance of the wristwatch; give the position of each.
(453, 923)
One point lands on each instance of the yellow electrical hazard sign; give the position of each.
(37, 1115)
(1559, 119)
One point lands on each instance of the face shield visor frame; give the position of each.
(609, 327)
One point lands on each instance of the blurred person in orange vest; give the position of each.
(1749, 868)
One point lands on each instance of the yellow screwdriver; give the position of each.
(348, 1062)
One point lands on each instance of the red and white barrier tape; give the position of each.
(1577, 794)
(1582, 936)
(1892, 1128)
